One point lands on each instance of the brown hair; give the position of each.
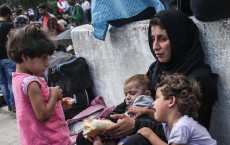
(5, 11)
(187, 92)
(142, 80)
(31, 41)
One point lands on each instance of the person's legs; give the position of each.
(8, 67)
(136, 139)
(3, 82)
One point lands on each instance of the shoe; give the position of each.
(9, 108)
(13, 115)
(13, 109)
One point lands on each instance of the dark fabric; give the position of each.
(74, 79)
(144, 15)
(153, 125)
(184, 6)
(4, 30)
(206, 10)
(120, 109)
(187, 57)
(137, 139)
(169, 4)
(82, 141)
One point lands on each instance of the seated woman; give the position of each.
(174, 43)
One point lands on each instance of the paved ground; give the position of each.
(8, 128)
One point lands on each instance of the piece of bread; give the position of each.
(94, 127)
(67, 102)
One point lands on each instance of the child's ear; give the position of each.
(24, 57)
(148, 92)
(172, 101)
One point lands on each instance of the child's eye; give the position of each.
(132, 93)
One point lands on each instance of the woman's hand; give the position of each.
(123, 128)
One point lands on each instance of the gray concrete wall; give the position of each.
(215, 37)
(125, 52)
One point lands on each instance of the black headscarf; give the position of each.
(187, 57)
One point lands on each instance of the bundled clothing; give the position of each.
(206, 10)
(108, 10)
(142, 101)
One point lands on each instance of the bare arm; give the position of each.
(139, 111)
(152, 137)
(42, 109)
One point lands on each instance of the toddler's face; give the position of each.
(132, 90)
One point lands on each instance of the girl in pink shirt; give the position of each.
(39, 114)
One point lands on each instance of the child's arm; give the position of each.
(152, 137)
(139, 111)
(42, 109)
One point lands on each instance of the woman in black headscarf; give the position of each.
(174, 42)
(186, 57)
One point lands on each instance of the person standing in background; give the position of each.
(77, 14)
(6, 65)
(49, 21)
(87, 11)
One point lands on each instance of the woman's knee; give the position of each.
(137, 140)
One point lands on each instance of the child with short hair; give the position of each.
(137, 93)
(176, 106)
(39, 114)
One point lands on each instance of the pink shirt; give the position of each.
(32, 131)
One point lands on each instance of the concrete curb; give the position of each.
(4, 110)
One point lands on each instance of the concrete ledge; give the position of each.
(125, 52)
(215, 37)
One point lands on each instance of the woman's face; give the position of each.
(161, 44)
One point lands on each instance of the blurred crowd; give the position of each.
(70, 13)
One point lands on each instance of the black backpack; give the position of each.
(74, 79)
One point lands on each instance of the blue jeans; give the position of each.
(6, 68)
